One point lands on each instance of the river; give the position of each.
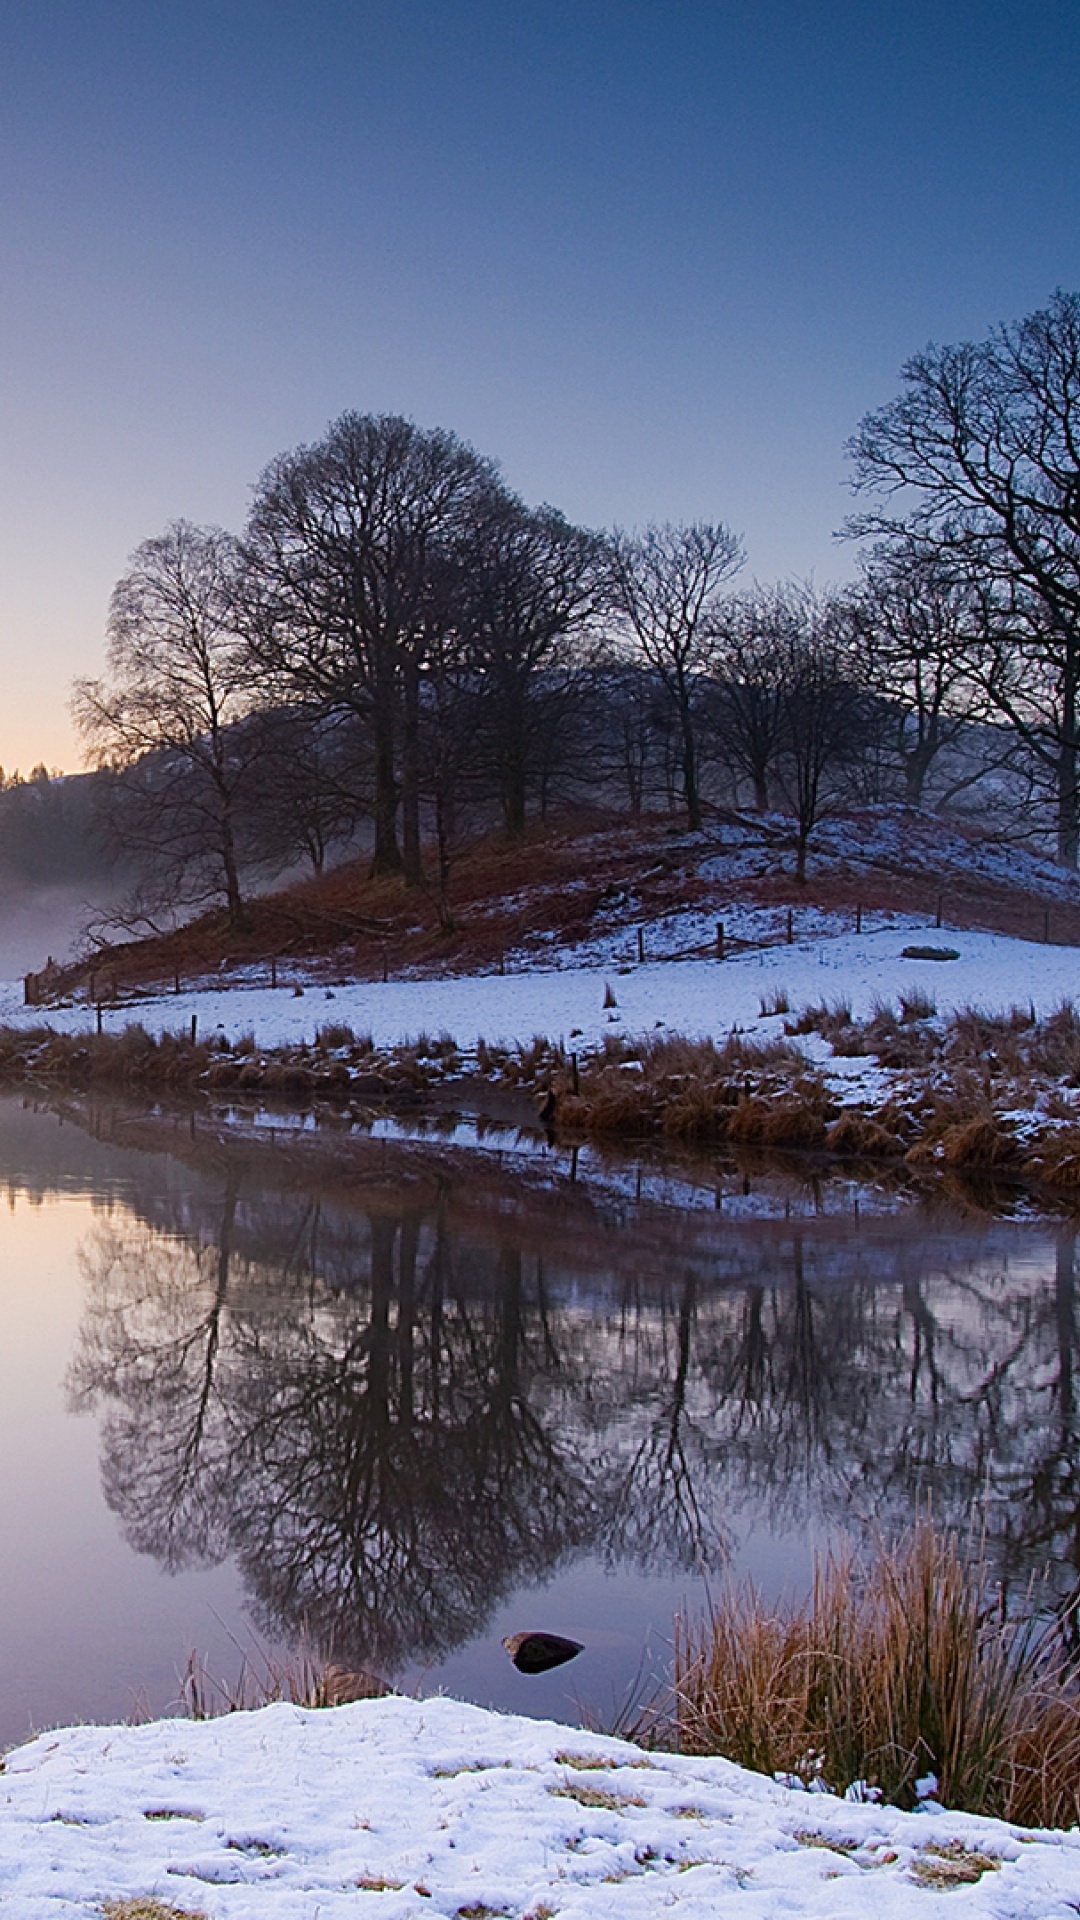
(395, 1398)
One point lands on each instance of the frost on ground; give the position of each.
(433, 1808)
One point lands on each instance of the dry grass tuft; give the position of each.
(145, 1907)
(979, 1142)
(861, 1135)
(915, 1005)
(775, 1002)
(886, 1673)
(760, 1091)
(952, 1865)
(829, 1018)
(604, 1797)
(1056, 1161)
(304, 1680)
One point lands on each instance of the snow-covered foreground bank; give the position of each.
(695, 997)
(410, 1808)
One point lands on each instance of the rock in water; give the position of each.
(536, 1652)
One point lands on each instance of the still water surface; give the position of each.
(404, 1402)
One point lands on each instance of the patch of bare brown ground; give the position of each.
(548, 888)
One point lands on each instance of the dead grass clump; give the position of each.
(850, 1043)
(335, 1035)
(988, 1043)
(490, 1057)
(896, 1042)
(889, 1671)
(1056, 1161)
(916, 1004)
(796, 1118)
(980, 1142)
(774, 1002)
(143, 1906)
(604, 1797)
(1045, 1757)
(687, 1089)
(532, 1061)
(131, 1058)
(856, 1133)
(952, 1865)
(829, 1018)
(304, 1680)
(700, 1110)
(1054, 1045)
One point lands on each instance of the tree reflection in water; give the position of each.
(391, 1418)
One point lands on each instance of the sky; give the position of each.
(657, 257)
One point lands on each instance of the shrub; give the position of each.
(888, 1672)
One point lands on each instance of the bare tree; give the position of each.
(979, 457)
(311, 784)
(628, 720)
(827, 716)
(347, 546)
(530, 585)
(165, 721)
(747, 698)
(918, 628)
(666, 584)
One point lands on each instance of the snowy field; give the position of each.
(400, 1808)
(694, 997)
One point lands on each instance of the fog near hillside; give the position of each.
(36, 922)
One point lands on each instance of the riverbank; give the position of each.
(404, 1808)
(868, 1048)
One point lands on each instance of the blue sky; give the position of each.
(658, 259)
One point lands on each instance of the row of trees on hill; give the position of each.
(397, 645)
(49, 830)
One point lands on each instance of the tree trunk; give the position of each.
(916, 766)
(444, 833)
(1068, 810)
(691, 795)
(514, 799)
(412, 862)
(236, 909)
(386, 857)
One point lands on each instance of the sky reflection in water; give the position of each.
(405, 1403)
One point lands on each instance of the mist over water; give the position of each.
(36, 922)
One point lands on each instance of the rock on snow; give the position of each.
(398, 1808)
